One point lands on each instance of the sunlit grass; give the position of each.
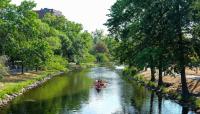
(16, 86)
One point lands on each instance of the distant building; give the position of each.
(44, 11)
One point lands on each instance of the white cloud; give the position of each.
(90, 13)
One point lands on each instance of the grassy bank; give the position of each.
(14, 84)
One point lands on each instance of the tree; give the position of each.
(39, 54)
(54, 43)
(3, 68)
(8, 18)
(36, 43)
(100, 47)
(111, 44)
(72, 39)
(182, 27)
(97, 35)
(151, 32)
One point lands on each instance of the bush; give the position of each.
(88, 59)
(57, 63)
(101, 58)
(130, 71)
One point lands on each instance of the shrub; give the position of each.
(57, 63)
(130, 71)
(102, 58)
(88, 59)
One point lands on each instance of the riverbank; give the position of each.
(173, 83)
(171, 89)
(13, 86)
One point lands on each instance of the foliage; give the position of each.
(54, 43)
(130, 71)
(33, 42)
(88, 58)
(3, 68)
(98, 35)
(74, 43)
(104, 46)
(101, 58)
(57, 62)
(4, 3)
(157, 34)
(100, 47)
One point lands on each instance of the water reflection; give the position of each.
(185, 110)
(62, 94)
(151, 102)
(159, 103)
(138, 100)
(74, 93)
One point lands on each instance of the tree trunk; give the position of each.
(22, 69)
(145, 68)
(153, 74)
(36, 68)
(185, 91)
(160, 80)
(197, 70)
(152, 69)
(181, 54)
(161, 45)
(12, 62)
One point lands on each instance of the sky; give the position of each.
(90, 13)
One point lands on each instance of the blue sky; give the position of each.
(90, 13)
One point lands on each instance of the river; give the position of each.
(74, 93)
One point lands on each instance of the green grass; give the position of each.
(16, 87)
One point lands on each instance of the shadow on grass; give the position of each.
(19, 77)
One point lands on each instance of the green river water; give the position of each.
(74, 93)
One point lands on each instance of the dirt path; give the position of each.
(175, 82)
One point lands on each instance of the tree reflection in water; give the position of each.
(62, 94)
(159, 103)
(151, 102)
(185, 110)
(138, 100)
